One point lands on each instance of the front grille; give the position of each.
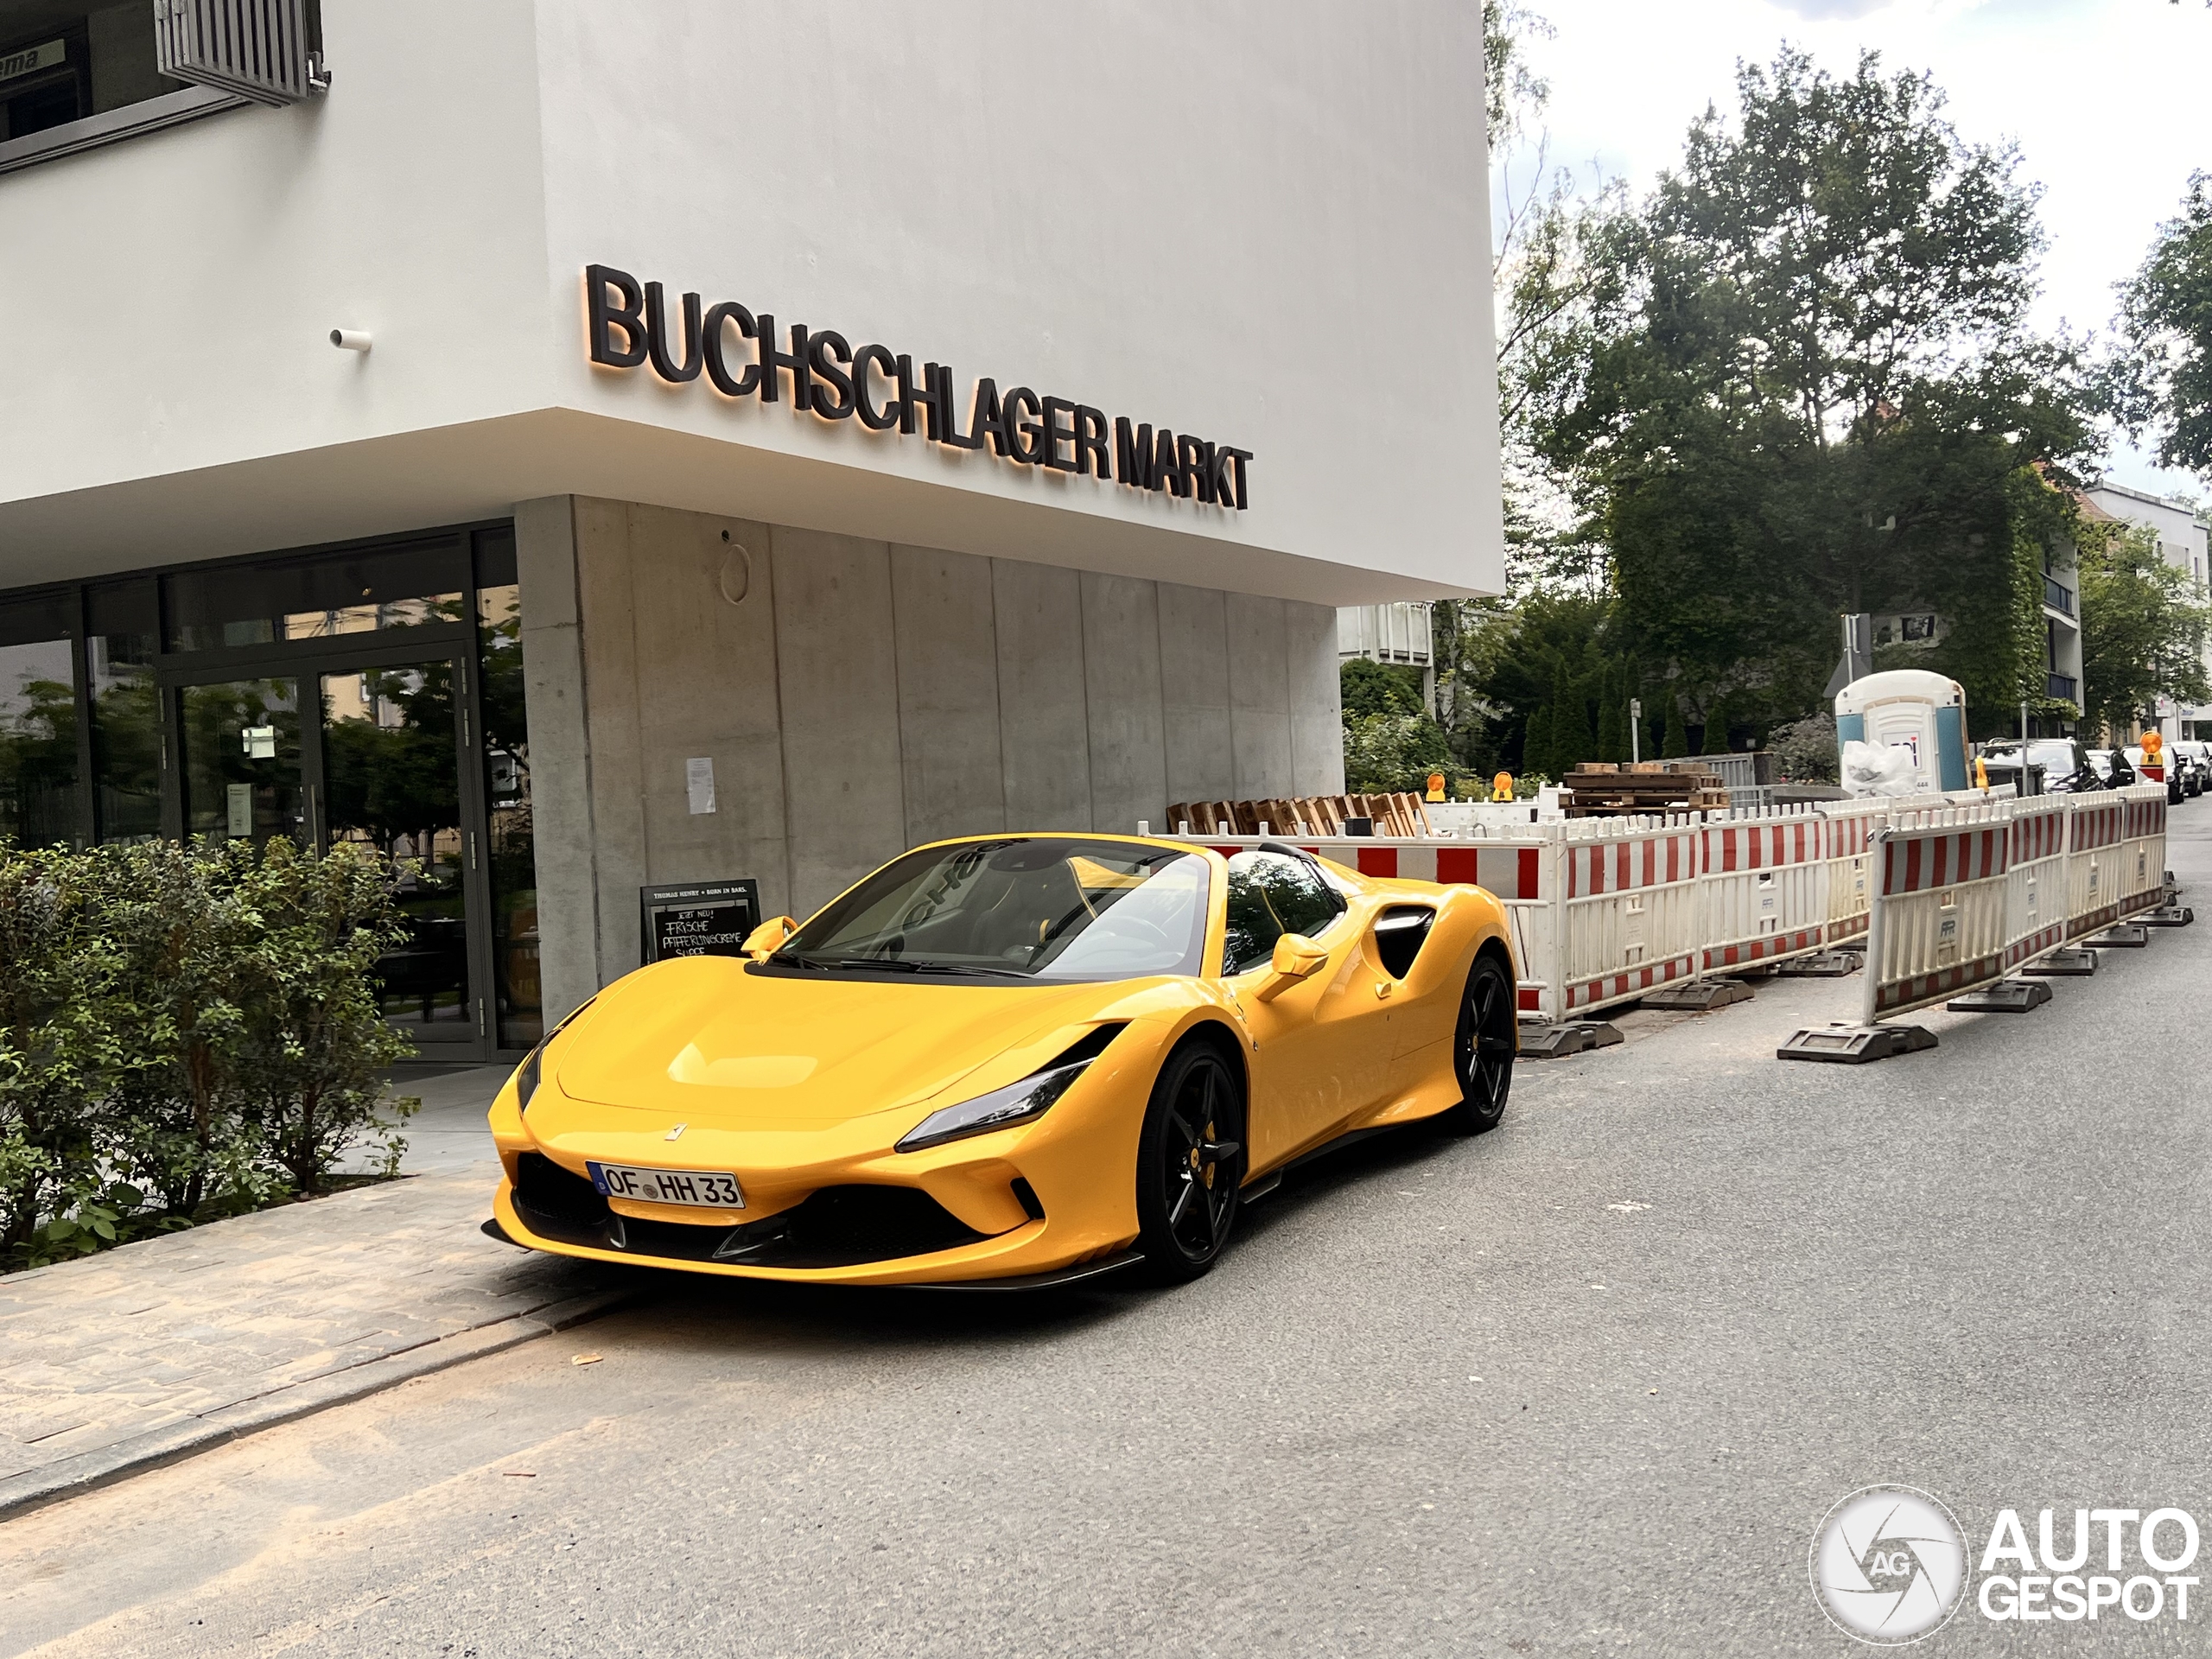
(557, 1203)
(836, 1227)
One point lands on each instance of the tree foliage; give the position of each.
(2165, 380)
(1808, 387)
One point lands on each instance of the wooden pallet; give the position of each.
(1598, 789)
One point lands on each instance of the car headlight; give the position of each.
(1015, 1103)
(526, 1074)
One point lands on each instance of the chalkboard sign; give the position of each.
(698, 919)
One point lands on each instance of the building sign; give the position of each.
(698, 919)
(742, 355)
(29, 59)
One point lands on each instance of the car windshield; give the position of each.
(1042, 908)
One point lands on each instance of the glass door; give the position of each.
(392, 779)
(379, 762)
(241, 762)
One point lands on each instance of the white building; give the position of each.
(766, 597)
(2182, 541)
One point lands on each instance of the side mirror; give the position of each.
(769, 937)
(1296, 957)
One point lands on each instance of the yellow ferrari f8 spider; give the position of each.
(1007, 1060)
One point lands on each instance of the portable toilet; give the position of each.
(1912, 709)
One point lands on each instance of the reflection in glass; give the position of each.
(373, 591)
(242, 760)
(119, 646)
(38, 726)
(507, 780)
(391, 777)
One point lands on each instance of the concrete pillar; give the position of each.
(948, 693)
(1123, 701)
(837, 666)
(560, 753)
(1194, 693)
(1259, 695)
(1317, 722)
(1044, 728)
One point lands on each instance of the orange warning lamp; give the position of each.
(1435, 787)
(1501, 787)
(2152, 743)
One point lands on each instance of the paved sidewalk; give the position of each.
(146, 1353)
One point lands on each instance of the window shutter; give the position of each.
(256, 48)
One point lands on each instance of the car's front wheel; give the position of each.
(1190, 1161)
(1483, 1049)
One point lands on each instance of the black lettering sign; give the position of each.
(627, 325)
(697, 918)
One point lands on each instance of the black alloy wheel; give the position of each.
(1189, 1163)
(1483, 1049)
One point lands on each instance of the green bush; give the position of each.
(185, 1032)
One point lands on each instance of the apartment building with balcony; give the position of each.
(2182, 539)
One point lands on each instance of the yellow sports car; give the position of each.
(1007, 1061)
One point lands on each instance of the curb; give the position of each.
(90, 1471)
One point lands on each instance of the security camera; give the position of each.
(350, 340)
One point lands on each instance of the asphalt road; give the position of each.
(1585, 1385)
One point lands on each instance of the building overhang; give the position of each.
(477, 470)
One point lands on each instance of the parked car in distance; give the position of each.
(2196, 756)
(2111, 768)
(2173, 770)
(2063, 761)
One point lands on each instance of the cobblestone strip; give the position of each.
(147, 1353)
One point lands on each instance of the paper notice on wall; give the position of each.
(699, 783)
(241, 813)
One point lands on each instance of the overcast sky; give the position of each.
(2107, 101)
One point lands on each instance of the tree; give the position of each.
(2142, 635)
(2165, 316)
(1807, 390)
(1676, 742)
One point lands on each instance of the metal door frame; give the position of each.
(306, 662)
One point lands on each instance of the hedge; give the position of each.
(185, 1031)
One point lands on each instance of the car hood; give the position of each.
(704, 1039)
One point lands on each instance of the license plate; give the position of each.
(701, 1189)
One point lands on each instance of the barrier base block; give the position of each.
(2070, 962)
(1843, 1044)
(2128, 936)
(1822, 964)
(2168, 915)
(2005, 996)
(1576, 1037)
(1700, 996)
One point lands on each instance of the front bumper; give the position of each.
(1023, 1252)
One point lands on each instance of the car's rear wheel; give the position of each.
(1190, 1161)
(1483, 1049)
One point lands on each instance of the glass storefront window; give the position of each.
(374, 591)
(38, 723)
(392, 780)
(120, 640)
(242, 760)
(506, 793)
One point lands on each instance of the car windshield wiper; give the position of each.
(901, 964)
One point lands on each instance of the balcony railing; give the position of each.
(2059, 599)
(2061, 685)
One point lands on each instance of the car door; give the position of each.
(1322, 1043)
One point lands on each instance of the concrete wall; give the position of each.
(857, 697)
